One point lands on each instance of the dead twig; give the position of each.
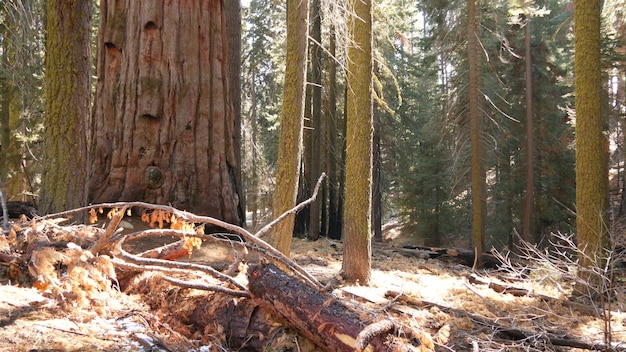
(262, 232)
(156, 264)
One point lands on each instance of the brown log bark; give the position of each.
(245, 325)
(328, 322)
(16, 209)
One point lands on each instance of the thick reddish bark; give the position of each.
(163, 124)
(321, 317)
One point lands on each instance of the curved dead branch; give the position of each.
(113, 239)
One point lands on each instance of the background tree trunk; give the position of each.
(291, 122)
(232, 9)
(527, 225)
(163, 120)
(335, 148)
(68, 87)
(357, 226)
(318, 144)
(476, 129)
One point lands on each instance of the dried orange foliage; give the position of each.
(162, 217)
(93, 215)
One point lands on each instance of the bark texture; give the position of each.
(163, 122)
(322, 318)
(591, 144)
(68, 86)
(358, 188)
(291, 122)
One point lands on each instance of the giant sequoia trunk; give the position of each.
(163, 123)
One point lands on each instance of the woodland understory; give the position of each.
(138, 277)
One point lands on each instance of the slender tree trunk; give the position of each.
(377, 206)
(591, 144)
(163, 120)
(357, 226)
(292, 116)
(335, 148)
(232, 10)
(476, 129)
(68, 87)
(317, 142)
(527, 226)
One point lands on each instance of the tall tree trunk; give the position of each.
(335, 148)
(591, 144)
(476, 129)
(163, 120)
(68, 87)
(527, 226)
(291, 122)
(357, 226)
(317, 142)
(377, 206)
(232, 10)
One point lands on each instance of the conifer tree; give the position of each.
(358, 189)
(292, 116)
(591, 145)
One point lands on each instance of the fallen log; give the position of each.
(16, 209)
(457, 255)
(325, 320)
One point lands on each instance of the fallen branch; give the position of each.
(262, 232)
(156, 263)
(274, 255)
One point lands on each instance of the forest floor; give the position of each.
(459, 307)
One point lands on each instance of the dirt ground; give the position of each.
(460, 308)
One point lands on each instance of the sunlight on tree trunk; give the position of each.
(357, 225)
(476, 129)
(164, 126)
(68, 86)
(591, 144)
(291, 122)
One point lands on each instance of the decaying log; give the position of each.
(325, 320)
(17, 209)
(460, 256)
(244, 324)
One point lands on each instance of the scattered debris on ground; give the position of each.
(166, 286)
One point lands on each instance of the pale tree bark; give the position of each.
(476, 129)
(591, 144)
(357, 226)
(68, 87)
(291, 122)
(163, 121)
